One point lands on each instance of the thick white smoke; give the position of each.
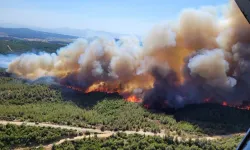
(161, 36)
(210, 65)
(198, 28)
(132, 65)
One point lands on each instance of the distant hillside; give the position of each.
(16, 46)
(21, 40)
(31, 34)
(86, 33)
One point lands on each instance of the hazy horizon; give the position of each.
(123, 17)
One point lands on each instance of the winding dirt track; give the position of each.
(99, 134)
(78, 128)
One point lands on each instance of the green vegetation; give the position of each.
(2, 69)
(60, 113)
(22, 46)
(122, 141)
(28, 33)
(126, 116)
(12, 136)
(41, 103)
(13, 91)
(123, 115)
(26, 101)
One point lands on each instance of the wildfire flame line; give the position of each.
(133, 99)
(224, 103)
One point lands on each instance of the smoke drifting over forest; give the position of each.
(200, 58)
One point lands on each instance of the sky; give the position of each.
(118, 16)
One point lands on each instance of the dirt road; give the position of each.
(50, 125)
(100, 134)
(79, 129)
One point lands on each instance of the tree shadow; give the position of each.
(85, 100)
(3, 73)
(215, 119)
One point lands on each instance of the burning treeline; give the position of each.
(199, 58)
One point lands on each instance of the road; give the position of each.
(100, 134)
(79, 129)
(50, 125)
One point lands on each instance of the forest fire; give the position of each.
(224, 103)
(101, 87)
(133, 99)
(240, 107)
(244, 107)
(173, 63)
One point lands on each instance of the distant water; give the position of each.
(5, 60)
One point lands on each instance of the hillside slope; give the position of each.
(28, 33)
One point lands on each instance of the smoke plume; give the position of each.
(210, 65)
(199, 57)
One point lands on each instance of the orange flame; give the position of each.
(133, 99)
(224, 103)
(247, 107)
(244, 107)
(104, 87)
